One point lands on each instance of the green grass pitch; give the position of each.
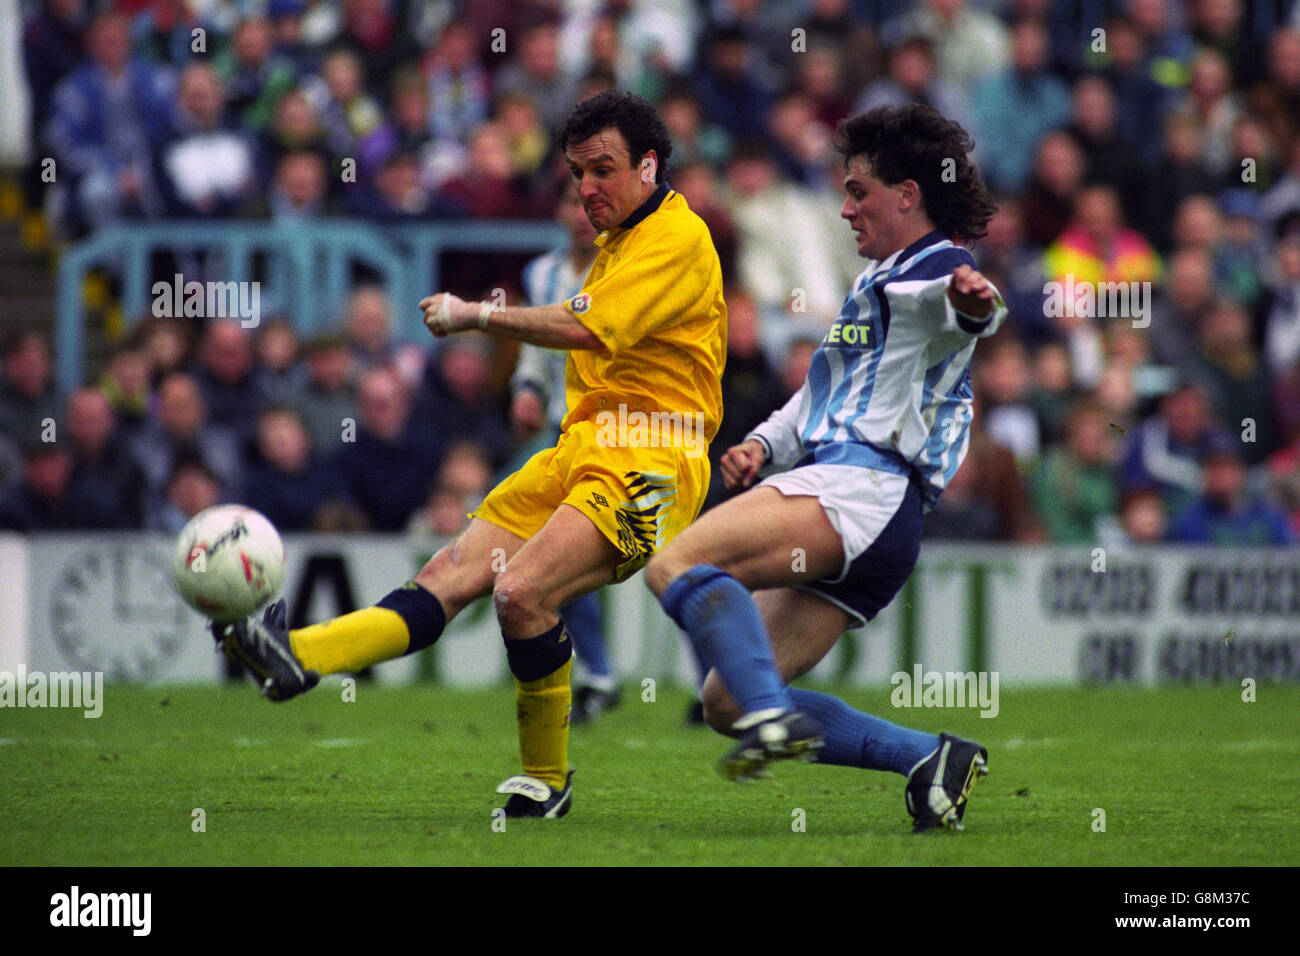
(1185, 776)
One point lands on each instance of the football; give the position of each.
(229, 561)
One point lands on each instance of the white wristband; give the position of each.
(442, 318)
(484, 313)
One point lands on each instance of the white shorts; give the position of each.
(877, 515)
(858, 501)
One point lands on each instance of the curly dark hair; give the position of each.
(631, 115)
(914, 142)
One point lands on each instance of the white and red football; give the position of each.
(229, 561)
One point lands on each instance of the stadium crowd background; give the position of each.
(1164, 150)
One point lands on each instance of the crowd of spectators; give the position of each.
(1146, 146)
(316, 435)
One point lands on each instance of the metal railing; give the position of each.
(305, 269)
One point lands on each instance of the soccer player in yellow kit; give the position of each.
(647, 341)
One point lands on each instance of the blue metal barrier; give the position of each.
(308, 267)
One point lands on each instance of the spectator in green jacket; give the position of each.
(1074, 489)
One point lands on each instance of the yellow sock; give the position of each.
(543, 711)
(352, 642)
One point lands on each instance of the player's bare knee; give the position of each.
(664, 568)
(656, 574)
(518, 603)
(440, 574)
(434, 568)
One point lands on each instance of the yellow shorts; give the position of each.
(639, 498)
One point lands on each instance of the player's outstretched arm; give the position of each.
(970, 293)
(552, 326)
(742, 463)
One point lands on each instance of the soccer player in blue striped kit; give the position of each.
(869, 443)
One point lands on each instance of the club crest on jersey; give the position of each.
(580, 303)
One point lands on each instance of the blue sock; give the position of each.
(723, 623)
(582, 621)
(855, 739)
(702, 667)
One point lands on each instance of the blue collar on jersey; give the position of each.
(929, 239)
(647, 207)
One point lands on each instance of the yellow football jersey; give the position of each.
(653, 296)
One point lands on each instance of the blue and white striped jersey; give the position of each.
(889, 387)
(547, 279)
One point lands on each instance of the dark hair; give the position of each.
(16, 340)
(406, 78)
(1137, 493)
(191, 462)
(631, 115)
(679, 89)
(278, 409)
(914, 142)
(916, 41)
(750, 149)
(1287, 224)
